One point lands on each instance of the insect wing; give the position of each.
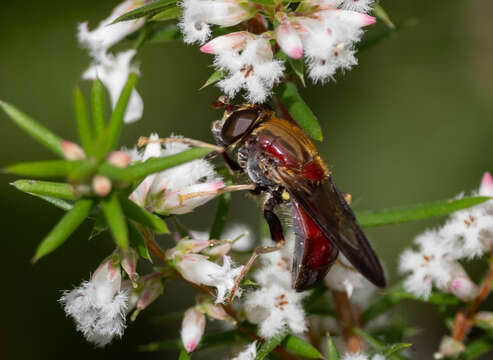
(325, 204)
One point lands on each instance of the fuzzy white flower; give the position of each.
(178, 190)
(198, 15)
(99, 40)
(342, 276)
(198, 269)
(362, 356)
(249, 353)
(242, 236)
(114, 73)
(98, 306)
(253, 69)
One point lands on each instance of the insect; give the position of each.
(285, 166)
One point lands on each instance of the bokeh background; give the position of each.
(412, 123)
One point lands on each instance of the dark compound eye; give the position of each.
(237, 125)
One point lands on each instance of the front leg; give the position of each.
(276, 234)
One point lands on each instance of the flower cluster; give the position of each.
(323, 31)
(467, 234)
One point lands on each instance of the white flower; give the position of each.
(232, 41)
(249, 353)
(99, 40)
(198, 269)
(178, 190)
(253, 69)
(199, 14)
(357, 5)
(192, 328)
(114, 73)
(241, 234)
(98, 306)
(342, 276)
(362, 356)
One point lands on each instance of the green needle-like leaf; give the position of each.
(83, 123)
(116, 120)
(34, 129)
(416, 212)
(221, 216)
(65, 227)
(268, 346)
(382, 15)
(136, 213)
(332, 352)
(116, 220)
(146, 10)
(214, 78)
(152, 165)
(98, 106)
(59, 203)
(301, 347)
(138, 241)
(45, 188)
(296, 106)
(51, 168)
(85, 169)
(169, 14)
(392, 351)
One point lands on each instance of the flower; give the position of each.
(114, 73)
(249, 353)
(178, 190)
(107, 34)
(192, 328)
(342, 276)
(98, 306)
(276, 304)
(253, 69)
(198, 15)
(198, 269)
(449, 347)
(362, 356)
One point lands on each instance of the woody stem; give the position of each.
(347, 318)
(464, 319)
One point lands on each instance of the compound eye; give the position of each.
(237, 125)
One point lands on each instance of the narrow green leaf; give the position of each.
(332, 352)
(85, 169)
(382, 15)
(169, 14)
(45, 188)
(209, 340)
(166, 34)
(116, 220)
(264, 2)
(416, 212)
(100, 225)
(34, 129)
(394, 349)
(65, 227)
(152, 165)
(296, 106)
(59, 203)
(267, 347)
(116, 120)
(184, 355)
(136, 213)
(83, 123)
(98, 106)
(51, 168)
(221, 216)
(146, 10)
(138, 241)
(477, 348)
(214, 78)
(112, 172)
(380, 347)
(301, 347)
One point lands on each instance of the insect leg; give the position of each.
(276, 233)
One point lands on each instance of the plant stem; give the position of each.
(347, 319)
(464, 319)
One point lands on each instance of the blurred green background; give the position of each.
(412, 123)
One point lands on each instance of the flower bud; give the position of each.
(225, 12)
(214, 311)
(101, 185)
(289, 41)
(485, 317)
(107, 279)
(462, 287)
(192, 329)
(348, 16)
(232, 41)
(219, 250)
(72, 151)
(449, 348)
(153, 287)
(190, 197)
(186, 246)
(119, 159)
(486, 188)
(129, 264)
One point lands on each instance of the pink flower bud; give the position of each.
(486, 188)
(289, 41)
(219, 250)
(186, 246)
(101, 185)
(153, 287)
(119, 158)
(192, 329)
(190, 197)
(348, 16)
(72, 151)
(232, 41)
(107, 279)
(462, 287)
(449, 348)
(129, 264)
(214, 311)
(485, 317)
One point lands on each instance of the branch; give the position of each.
(347, 318)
